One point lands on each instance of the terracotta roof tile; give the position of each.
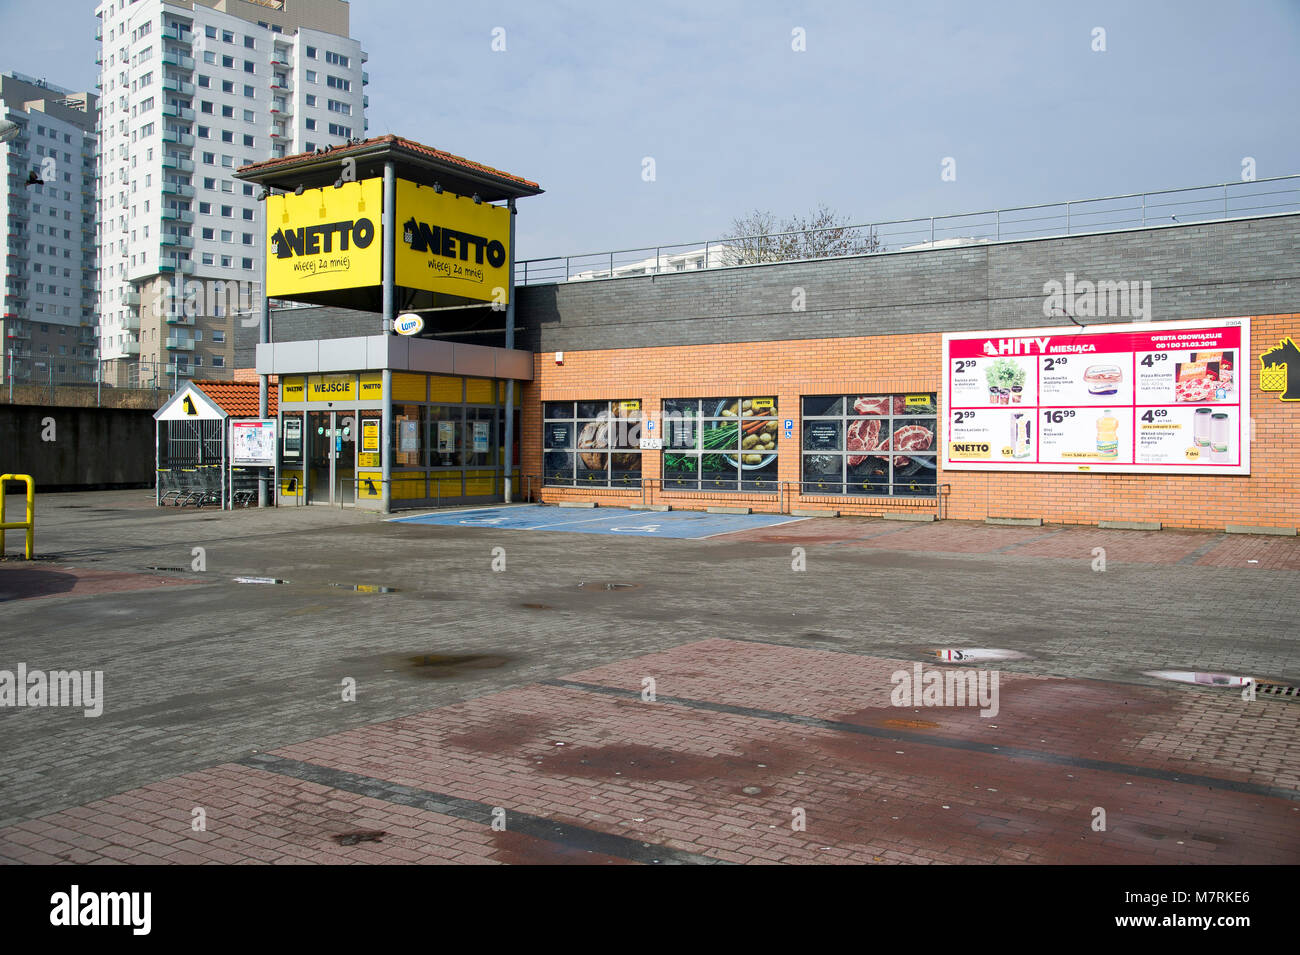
(396, 141)
(239, 398)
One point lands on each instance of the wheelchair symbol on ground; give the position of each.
(476, 521)
(639, 529)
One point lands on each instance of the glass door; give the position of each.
(320, 457)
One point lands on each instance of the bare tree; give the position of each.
(819, 235)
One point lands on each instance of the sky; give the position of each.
(861, 119)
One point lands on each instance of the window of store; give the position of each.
(721, 444)
(881, 445)
(592, 443)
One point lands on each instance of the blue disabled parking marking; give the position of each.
(683, 525)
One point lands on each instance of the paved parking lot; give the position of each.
(519, 693)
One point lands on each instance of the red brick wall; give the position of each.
(1269, 496)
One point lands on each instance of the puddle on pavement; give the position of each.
(1224, 680)
(912, 724)
(366, 588)
(439, 666)
(363, 835)
(599, 586)
(975, 655)
(259, 580)
(537, 606)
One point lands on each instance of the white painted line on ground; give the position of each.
(590, 520)
(456, 510)
(756, 527)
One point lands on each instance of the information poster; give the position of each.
(293, 437)
(480, 437)
(446, 436)
(370, 435)
(252, 443)
(1147, 398)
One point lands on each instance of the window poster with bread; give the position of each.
(1145, 398)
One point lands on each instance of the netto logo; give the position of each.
(452, 243)
(316, 239)
(1280, 370)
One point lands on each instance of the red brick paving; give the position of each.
(28, 581)
(671, 775)
(1064, 541)
(1271, 553)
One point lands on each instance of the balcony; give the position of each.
(178, 86)
(365, 78)
(180, 344)
(180, 112)
(175, 162)
(177, 241)
(179, 60)
(180, 319)
(178, 215)
(174, 33)
(171, 263)
(131, 322)
(15, 332)
(120, 350)
(178, 189)
(180, 139)
(132, 298)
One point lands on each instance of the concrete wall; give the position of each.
(1220, 269)
(92, 447)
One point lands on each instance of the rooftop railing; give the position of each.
(1166, 207)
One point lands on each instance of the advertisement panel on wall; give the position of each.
(252, 443)
(325, 239)
(1146, 398)
(451, 244)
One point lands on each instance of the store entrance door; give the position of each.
(320, 457)
(345, 458)
(332, 460)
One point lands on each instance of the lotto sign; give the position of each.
(1147, 398)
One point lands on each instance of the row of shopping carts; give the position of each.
(202, 486)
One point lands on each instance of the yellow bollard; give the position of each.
(28, 525)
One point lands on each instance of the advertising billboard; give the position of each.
(1145, 398)
(451, 244)
(325, 239)
(252, 443)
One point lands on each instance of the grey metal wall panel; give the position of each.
(291, 357)
(515, 364)
(342, 354)
(431, 356)
(473, 360)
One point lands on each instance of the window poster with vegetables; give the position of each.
(1146, 398)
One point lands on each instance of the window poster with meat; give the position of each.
(1146, 398)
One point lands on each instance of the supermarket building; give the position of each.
(830, 385)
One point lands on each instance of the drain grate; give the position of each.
(366, 588)
(1278, 691)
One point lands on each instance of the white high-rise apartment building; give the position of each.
(47, 328)
(189, 92)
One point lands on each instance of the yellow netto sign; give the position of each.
(324, 239)
(449, 244)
